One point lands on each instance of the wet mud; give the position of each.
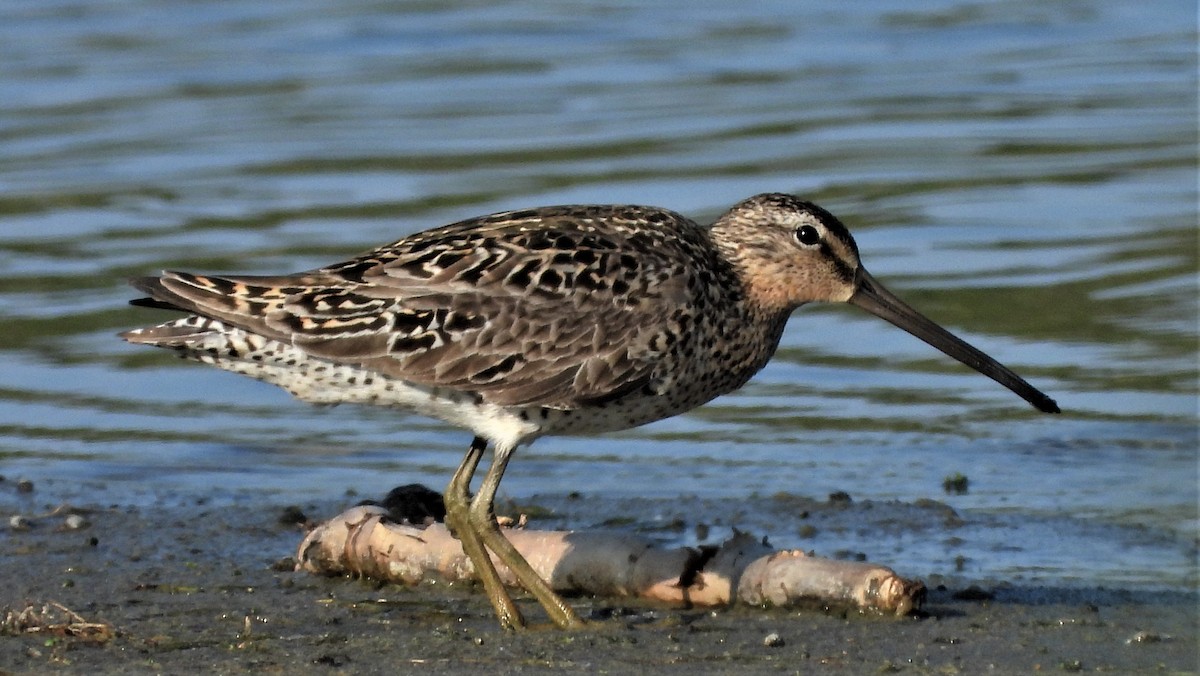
(192, 584)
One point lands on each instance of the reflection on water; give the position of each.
(1025, 175)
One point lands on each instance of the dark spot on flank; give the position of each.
(588, 280)
(420, 245)
(354, 271)
(550, 279)
(472, 275)
(492, 372)
(538, 242)
(448, 258)
(424, 258)
(456, 322)
(293, 322)
(522, 276)
(641, 241)
(409, 322)
(419, 343)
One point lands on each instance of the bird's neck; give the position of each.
(765, 297)
(749, 320)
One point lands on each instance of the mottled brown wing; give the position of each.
(525, 308)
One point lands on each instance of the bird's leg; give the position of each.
(483, 520)
(458, 502)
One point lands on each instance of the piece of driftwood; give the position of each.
(364, 541)
(52, 619)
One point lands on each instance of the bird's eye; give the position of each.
(807, 235)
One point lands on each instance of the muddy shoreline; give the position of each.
(200, 585)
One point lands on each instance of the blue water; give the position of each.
(1025, 174)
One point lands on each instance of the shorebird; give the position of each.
(555, 320)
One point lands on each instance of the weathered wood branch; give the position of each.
(364, 541)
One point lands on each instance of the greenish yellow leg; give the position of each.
(458, 517)
(483, 520)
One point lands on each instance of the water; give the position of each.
(1024, 174)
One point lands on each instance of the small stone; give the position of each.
(285, 565)
(24, 486)
(956, 484)
(773, 640)
(292, 515)
(1147, 637)
(75, 522)
(19, 522)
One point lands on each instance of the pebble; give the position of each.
(1147, 637)
(292, 515)
(773, 640)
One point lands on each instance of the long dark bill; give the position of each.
(872, 297)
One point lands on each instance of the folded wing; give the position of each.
(521, 308)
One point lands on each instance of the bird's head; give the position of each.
(788, 252)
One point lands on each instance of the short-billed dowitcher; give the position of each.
(569, 319)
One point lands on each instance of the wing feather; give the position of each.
(525, 308)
